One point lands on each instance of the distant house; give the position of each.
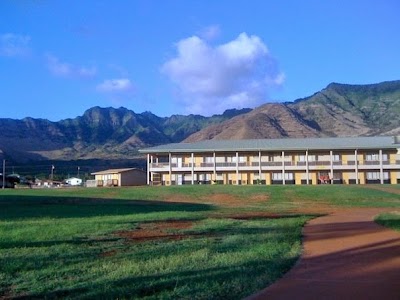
(120, 177)
(73, 181)
(47, 183)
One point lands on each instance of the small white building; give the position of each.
(74, 181)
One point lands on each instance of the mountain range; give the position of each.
(117, 133)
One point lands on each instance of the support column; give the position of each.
(170, 168)
(215, 168)
(307, 172)
(192, 156)
(381, 165)
(237, 168)
(283, 168)
(259, 165)
(148, 168)
(356, 165)
(331, 154)
(151, 173)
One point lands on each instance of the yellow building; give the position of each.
(349, 160)
(120, 177)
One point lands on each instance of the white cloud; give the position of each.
(212, 79)
(65, 69)
(12, 45)
(120, 85)
(210, 32)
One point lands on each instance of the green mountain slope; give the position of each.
(117, 133)
(99, 133)
(342, 109)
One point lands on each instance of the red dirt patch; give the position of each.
(346, 255)
(157, 230)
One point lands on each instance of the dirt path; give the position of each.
(346, 256)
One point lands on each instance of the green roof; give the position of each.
(285, 144)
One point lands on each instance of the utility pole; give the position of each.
(52, 172)
(4, 173)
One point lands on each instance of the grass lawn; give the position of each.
(160, 242)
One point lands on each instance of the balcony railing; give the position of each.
(319, 163)
(159, 165)
(225, 164)
(207, 165)
(165, 165)
(271, 163)
(370, 162)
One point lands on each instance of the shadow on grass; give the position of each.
(84, 242)
(22, 207)
(197, 283)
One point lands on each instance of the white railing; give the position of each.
(225, 164)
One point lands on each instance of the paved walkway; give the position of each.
(346, 256)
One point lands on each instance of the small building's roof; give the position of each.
(115, 171)
(287, 144)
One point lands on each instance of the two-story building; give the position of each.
(344, 160)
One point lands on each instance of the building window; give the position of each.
(279, 176)
(375, 157)
(377, 175)
(208, 159)
(372, 157)
(231, 159)
(302, 158)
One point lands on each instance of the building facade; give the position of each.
(118, 177)
(350, 160)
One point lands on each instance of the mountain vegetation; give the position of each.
(104, 133)
(117, 133)
(337, 110)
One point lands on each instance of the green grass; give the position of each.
(64, 243)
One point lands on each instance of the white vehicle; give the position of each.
(74, 181)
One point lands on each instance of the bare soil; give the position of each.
(346, 255)
(156, 230)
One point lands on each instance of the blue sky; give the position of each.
(59, 58)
